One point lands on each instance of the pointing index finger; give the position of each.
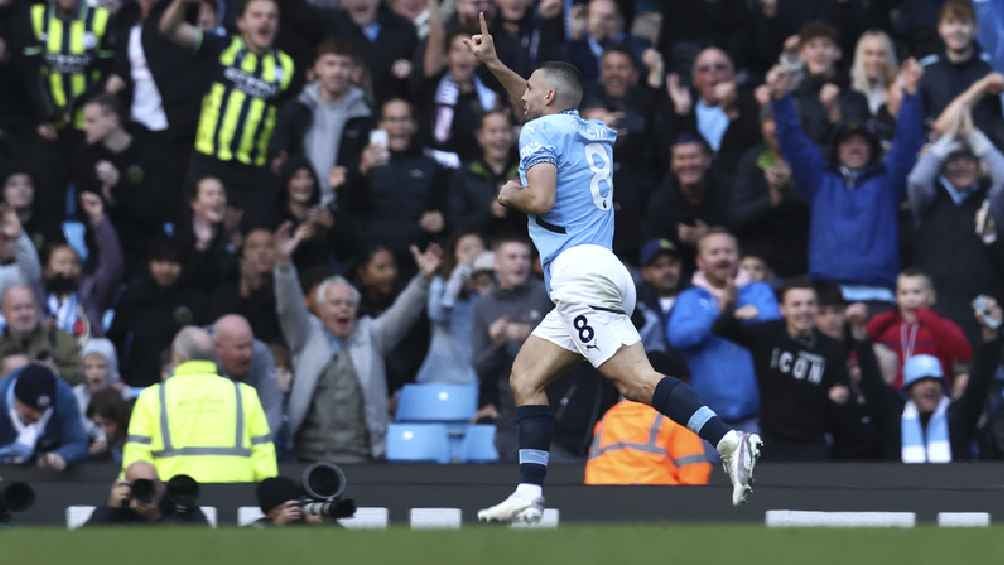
(484, 25)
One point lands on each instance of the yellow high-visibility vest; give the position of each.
(203, 425)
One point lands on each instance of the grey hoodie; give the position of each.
(322, 139)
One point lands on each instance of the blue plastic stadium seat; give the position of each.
(437, 403)
(418, 442)
(479, 444)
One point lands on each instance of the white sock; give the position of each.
(529, 490)
(730, 439)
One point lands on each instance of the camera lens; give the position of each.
(142, 491)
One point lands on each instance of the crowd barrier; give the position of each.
(805, 494)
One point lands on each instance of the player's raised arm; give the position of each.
(174, 26)
(483, 47)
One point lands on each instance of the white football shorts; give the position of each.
(593, 296)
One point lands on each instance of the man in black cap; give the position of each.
(40, 420)
(661, 276)
(279, 498)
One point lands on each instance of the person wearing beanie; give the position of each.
(40, 420)
(278, 498)
(923, 425)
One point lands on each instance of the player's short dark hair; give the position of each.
(569, 81)
(333, 46)
(796, 283)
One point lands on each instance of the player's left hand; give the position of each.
(508, 191)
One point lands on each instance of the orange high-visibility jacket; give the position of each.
(635, 445)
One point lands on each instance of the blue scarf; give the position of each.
(936, 447)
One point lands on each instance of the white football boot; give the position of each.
(521, 506)
(740, 452)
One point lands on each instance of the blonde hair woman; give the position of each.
(874, 69)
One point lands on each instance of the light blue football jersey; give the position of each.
(583, 153)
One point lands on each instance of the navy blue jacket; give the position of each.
(64, 433)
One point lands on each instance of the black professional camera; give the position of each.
(324, 484)
(15, 497)
(180, 502)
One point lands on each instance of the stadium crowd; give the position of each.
(809, 194)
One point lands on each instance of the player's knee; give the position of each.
(525, 385)
(638, 387)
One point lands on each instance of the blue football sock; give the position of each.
(536, 424)
(677, 400)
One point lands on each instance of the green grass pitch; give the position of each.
(573, 544)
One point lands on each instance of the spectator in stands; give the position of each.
(722, 371)
(400, 197)
(100, 373)
(957, 211)
(636, 445)
(453, 98)
(691, 199)
(244, 359)
(108, 415)
(873, 74)
(172, 428)
(951, 73)
(605, 26)
(39, 420)
(767, 209)
(338, 406)
(78, 295)
(799, 371)
(205, 235)
(384, 40)
(252, 295)
(913, 328)
(18, 259)
(151, 311)
(472, 203)
(853, 196)
(232, 139)
(27, 333)
(527, 33)
(927, 426)
(824, 98)
(122, 168)
(56, 105)
(380, 280)
(19, 196)
(327, 123)
(661, 282)
(757, 268)
(724, 115)
(452, 297)
(502, 321)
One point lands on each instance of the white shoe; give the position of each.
(740, 451)
(517, 508)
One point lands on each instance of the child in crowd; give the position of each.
(913, 328)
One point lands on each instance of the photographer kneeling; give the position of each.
(280, 500)
(317, 499)
(141, 498)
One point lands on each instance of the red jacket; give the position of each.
(935, 335)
